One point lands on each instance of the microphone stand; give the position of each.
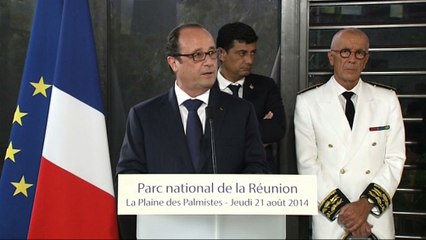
(213, 145)
(210, 116)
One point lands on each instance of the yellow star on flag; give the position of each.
(21, 187)
(10, 152)
(17, 117)
(40, 87)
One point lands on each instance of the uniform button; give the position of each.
(374, 144)
(367, 172)
(342, 171)
(330, 145)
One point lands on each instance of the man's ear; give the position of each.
(172, 61)
(330, 58)
(221, 54)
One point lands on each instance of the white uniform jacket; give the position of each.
(373, 152)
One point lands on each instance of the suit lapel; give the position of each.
(363, 112)
(174, 120)
(336, 119)
(217, 106)
(218, 116)
(248, 88)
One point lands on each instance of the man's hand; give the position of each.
(269, 115)
(364, 231)
(354, 215)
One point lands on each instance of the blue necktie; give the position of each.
(194, 131)
(234, 89)
(349, 108)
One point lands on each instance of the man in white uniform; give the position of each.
(350, 134)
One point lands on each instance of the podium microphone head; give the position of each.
(210, 112)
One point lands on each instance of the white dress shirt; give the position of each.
(182, 96)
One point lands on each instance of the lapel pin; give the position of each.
(251, 86)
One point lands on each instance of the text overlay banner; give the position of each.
(211, 194)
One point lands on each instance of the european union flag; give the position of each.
(21, 164)
(56, 180)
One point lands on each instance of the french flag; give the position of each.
(56, 180)
(74, 197)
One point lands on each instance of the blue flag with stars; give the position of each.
(23, 155)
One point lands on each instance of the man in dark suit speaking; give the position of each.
(236, 43)
(172, 133)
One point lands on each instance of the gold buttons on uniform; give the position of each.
(374, 144)
(330, 145)
(342, 171)
(367, 172)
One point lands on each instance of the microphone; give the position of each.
(210, 112)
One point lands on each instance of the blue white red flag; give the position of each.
(56, 180)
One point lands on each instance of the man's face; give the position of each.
(347, 71)
(238, 61)
(194, 77)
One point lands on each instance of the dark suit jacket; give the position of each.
(265, 96)
(155, 141)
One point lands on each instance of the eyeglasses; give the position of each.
(199, 55)
(345, 53)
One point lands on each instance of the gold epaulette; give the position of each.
(381, 85)
(310, 88)
(380, 197)
(332, 204)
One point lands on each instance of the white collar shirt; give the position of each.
(339, 90)
(224, 83)
(182, 96)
